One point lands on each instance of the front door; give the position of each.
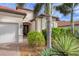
(25, 30)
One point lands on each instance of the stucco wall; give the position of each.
(32, 26)
(10, 18)
(54, 24)
(42, 24)
(29, 15)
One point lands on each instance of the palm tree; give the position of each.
(48, 12)
(37, 8)
(20, 5)
(68, 8)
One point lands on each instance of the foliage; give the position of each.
(64, 43)
(56, 32)
(67, 45)
(37, 8)
(36, 39)
(60, 31)
(66, 8)
(63, 46)
(76, 34)
(47, 52)
(20, 5)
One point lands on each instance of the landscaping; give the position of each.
(64, 43)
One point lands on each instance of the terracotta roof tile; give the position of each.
(66, 23)
(6, 9)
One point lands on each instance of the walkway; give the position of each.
(8, 50)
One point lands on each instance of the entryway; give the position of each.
(26, 28)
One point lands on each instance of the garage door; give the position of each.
(8, 32)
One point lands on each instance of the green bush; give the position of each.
(56, 32)
(36, 39)
(76, 34)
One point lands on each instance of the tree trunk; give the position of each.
(49, 18)
(72, 21)
(36, 24)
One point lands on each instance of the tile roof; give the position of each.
(23, 9)
(66, 23)
(9, 10)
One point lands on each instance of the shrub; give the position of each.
(56, 32)
(36, 39)
(76, 34)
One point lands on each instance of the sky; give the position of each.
(54, 13)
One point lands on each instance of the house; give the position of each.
(11, 25)
(67, 24)
(15, 24)
(42, 22)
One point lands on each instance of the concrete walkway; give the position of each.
(8, 50)
(11, 49)
(8, 53)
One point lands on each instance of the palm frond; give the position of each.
(63, 9)
(37, 8)
(76, 4)
(20, 5)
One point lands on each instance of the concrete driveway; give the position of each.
(9, 50)
(8, 53)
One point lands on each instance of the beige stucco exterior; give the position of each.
(15, 19)
(29, 15)
(42, 24)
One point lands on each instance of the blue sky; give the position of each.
(54, 13)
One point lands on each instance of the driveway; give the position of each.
(11, 49)
(8, 50)
(8, 53)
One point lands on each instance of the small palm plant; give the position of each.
(64, 45)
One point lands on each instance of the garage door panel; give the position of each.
(8, 32)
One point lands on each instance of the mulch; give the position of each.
(25, 50)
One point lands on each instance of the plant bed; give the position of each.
(25, 50)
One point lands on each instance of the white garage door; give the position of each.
(8, 32)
